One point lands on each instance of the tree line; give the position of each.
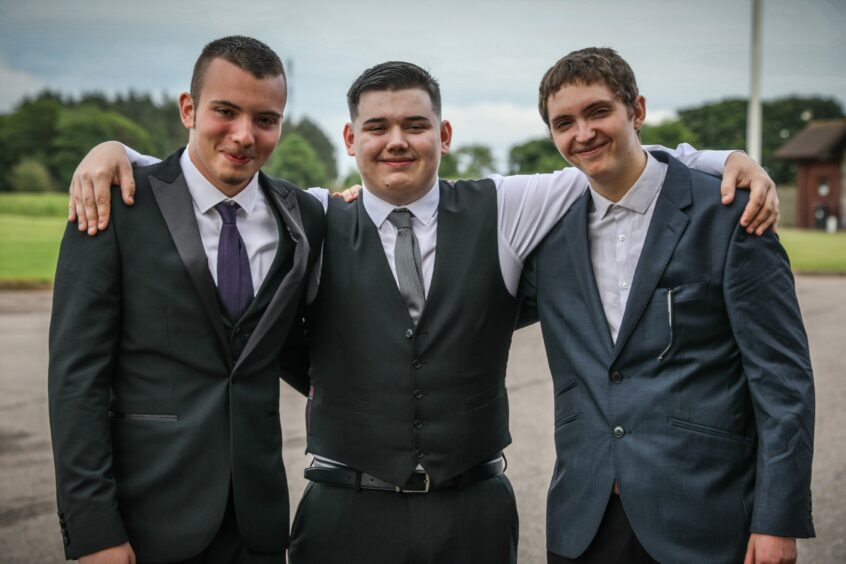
(45, 136)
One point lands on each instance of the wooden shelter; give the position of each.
(820, 172)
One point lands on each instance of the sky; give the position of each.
(489, 55)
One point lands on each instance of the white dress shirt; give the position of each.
(255, 220)
(528, 207)
(617, 231)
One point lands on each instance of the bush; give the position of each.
(31, 175)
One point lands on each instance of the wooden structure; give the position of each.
(820, 172)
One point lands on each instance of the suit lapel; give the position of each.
(577, 241)
(665, 230)
(286, 295)
(174, 201)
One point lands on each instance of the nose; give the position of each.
(396, 141)
(585, 132)
(242, 132)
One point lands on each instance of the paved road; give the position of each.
(29, 532)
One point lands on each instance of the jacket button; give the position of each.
(616, 377)
(418, 424)
(419, 453)
(416, 363)
(418, 393)
(619, 432)
(409, 333)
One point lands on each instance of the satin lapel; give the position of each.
(286, 295)
(176, 206)
(577, 240)
(666, 228)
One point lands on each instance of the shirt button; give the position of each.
(409, 333)
(616, 377)
(418, 424)
(418, 393)
(624, 284)
(621, 237)
(416, 363)
(619, 432)
(419, 453)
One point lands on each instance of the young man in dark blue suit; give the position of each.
(684, 403)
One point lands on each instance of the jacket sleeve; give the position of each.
(764, 314)
(84, 337)
(294, 359)
(527, 294)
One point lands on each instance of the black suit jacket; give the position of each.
(152, 415)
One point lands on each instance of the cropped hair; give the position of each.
(245, 53)
(392, 76)
(594, 65)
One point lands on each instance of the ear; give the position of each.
(446, 136)
(187, 110)
(349, 139)
(639, 112)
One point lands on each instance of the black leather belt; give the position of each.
(419, 482)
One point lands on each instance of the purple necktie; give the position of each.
(234, 282)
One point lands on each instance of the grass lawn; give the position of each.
(815, 251)
(31, 227)
(29, 247)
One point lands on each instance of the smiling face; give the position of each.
(397, 140)
(235, 124)
(595, 132)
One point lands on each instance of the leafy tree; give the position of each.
(29, 131)
(30, 175)
(537, 155)
(296, 161)
(352, 178)
(317, 139)
(79, 129)
(723, 125)
(668, 133)
(449, 167)
(476, 161)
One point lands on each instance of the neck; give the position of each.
(229, 190)
(617, 183)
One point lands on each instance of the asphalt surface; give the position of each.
(29, 532)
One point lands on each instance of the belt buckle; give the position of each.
(427, 483)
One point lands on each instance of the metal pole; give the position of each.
(753, 121)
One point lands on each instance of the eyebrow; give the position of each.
(587, 109)
(383, 120)
(234, 106)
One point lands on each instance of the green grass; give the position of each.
(29, 247)
(815, 251)
(38, 205)
(31, 227)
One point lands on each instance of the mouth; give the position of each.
(592, 150)
(397, 163)
(238, 159)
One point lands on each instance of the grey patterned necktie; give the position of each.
(408, 263)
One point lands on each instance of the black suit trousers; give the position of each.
(475, 524)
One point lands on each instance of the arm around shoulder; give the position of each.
(84, 335)
(767, 324)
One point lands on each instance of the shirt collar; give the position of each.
(640, 195)
(206, 195)
(423, 208)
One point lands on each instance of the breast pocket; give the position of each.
(675, 309)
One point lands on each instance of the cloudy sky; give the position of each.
(489, 55)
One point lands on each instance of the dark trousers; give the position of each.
(475, 524)
(227, 546)
(614, 543)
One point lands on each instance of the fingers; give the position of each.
(761, 217)
(750, 553)
(127, 182)
(728, 186)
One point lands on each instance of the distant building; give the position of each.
(820, 172)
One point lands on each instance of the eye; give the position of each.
(562, 125)
(224, 112)
(268, 121)
(601, 112)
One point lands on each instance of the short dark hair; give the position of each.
(394, 75)
(594, 65)
(245, 53)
